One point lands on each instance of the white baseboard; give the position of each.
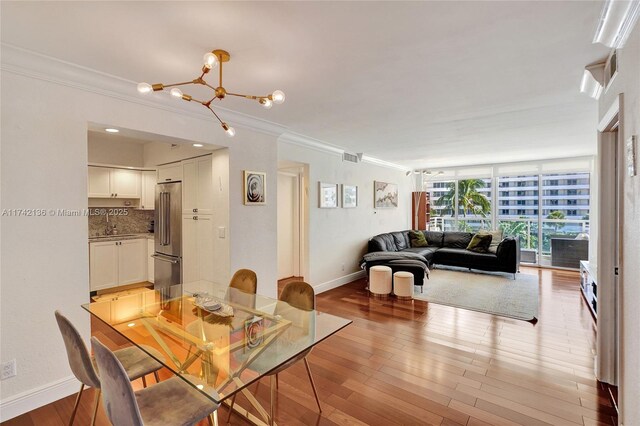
(30, 400)
(320, 288)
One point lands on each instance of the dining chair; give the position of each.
(245, 280)
(170, 402)
(136, 362)
(300, 295)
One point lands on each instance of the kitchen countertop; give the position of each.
(104, 238)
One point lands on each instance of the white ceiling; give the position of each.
(423, 84)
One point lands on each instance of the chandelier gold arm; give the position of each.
(249, 96)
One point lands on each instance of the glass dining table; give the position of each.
(216, 338)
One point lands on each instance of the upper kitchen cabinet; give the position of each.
(197, 186)
(147, 201)
(105, 182)
(170, 173)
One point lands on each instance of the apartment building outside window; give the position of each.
(534, 207)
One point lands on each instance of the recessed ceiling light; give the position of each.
(111, 130)
(198, 145)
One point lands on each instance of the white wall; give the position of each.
(338, 237)
(628, 82)
(104, 149)
(44, 165)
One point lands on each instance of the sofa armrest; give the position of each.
(508, 253)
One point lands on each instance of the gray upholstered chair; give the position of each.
(245, 280)
(301, 296)
(136, 363)
(170, 402)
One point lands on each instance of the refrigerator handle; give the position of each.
(167, 215)
(161, 217)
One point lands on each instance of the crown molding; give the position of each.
(31, 64)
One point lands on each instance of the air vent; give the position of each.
(353, 158)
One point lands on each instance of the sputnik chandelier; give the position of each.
(211, 60)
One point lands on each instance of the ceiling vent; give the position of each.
(353, 158)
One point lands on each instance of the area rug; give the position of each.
(490, 293)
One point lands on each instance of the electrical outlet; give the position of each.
(8, 369)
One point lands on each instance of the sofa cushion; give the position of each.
(465, 258)
(459, 240)
(480, 243)
(401, 240)
(417, 239)
(427, 252)
(496, 238)
(382, 242)
(434, 238)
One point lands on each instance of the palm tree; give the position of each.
(470, 201)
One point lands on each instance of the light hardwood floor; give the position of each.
(415, 364)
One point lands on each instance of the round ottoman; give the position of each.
(380, 281)
(403, 285)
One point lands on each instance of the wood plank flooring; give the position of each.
(417, 363)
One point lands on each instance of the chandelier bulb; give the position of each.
(144, 88)
(177, 93)
(277, 96)
(230, 131)
(266, 103)
(210, 60)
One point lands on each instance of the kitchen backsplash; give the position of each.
(127, 220)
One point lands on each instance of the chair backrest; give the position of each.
(118, 398)
(245, 280)
(77, 353)
(300, 295)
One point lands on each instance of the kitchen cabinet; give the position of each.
(132, 261)
(148, 190)
(170, 173)
(150, 265)
(99, 182)
(197, 248)
(116, 263)
(105, 182)
(197, 186)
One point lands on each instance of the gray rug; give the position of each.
(493, 294)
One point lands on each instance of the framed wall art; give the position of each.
(255, 188)
(349, 196)
(328, 193)
(385, 195)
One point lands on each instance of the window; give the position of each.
(572, 192)
(552, 202)
(504, 212)
(572, 202)
(572, 212)
(553, 183)
(572, 181)
(520, 193)
(504, 193)
(553, 192)
(521, 212)
(520, 202)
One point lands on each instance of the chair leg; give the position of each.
(233, 401)
(313, 385)
(157, 376)
(75, 406)
(277, 382)
(95, 407)
(144, 381)
(272, 410)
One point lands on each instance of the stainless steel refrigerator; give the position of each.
(168, 235)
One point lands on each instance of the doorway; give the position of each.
(291, 224)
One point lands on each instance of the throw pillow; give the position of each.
(496, 239)
(480, 243)
(417, 239)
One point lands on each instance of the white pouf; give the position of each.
(380, 281)
(403, 285)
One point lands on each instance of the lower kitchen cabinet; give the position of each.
(150, 265)
(116, 263)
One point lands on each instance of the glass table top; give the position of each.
(218, 339)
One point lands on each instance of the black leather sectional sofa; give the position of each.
(444, 248)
